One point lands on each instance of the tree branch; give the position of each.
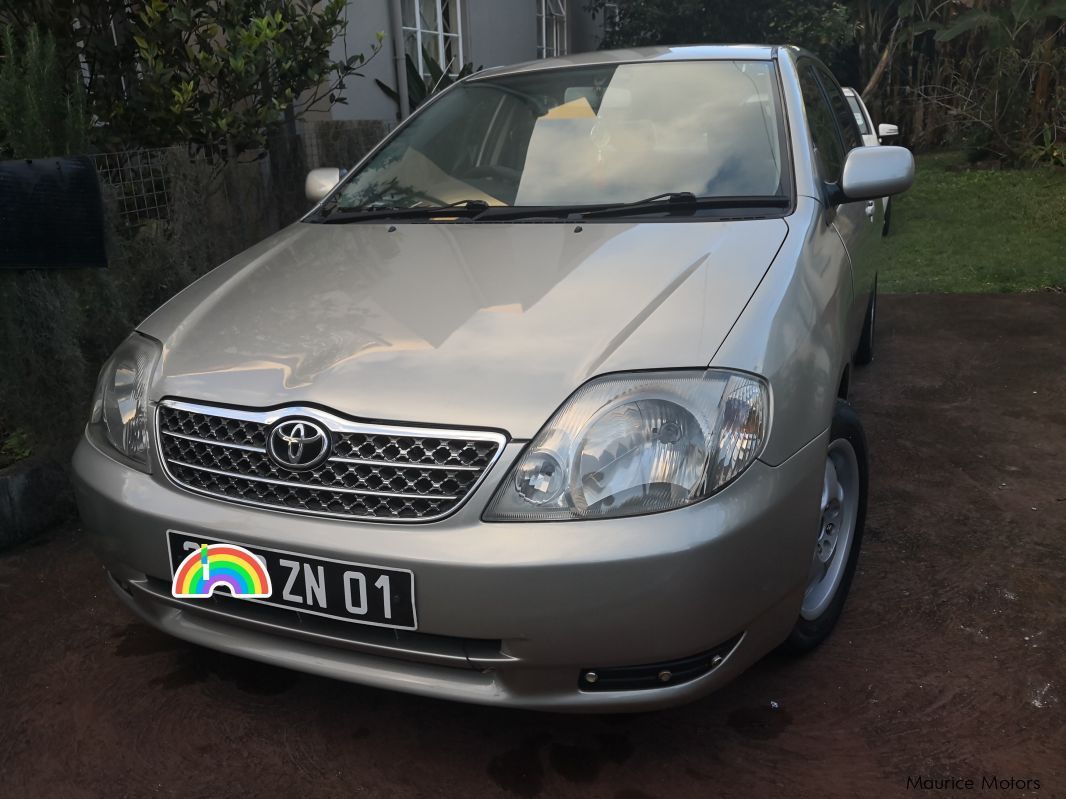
(882, 64)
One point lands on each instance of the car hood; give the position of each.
(476, 325)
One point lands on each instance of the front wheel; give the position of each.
(843, 514)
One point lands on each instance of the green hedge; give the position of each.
(58, 327)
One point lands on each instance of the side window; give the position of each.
(827, 148)
(860, 117)
(842, 111)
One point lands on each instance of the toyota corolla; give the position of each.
(544, 404)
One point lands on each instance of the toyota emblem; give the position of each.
(298, 444)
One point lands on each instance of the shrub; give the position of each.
(42, 109)
(42, 113)
(59, 326)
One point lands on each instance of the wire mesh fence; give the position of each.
(140, 183)
(341, 143)
(137, 182)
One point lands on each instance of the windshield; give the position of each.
(591, 135)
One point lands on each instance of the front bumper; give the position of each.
(509, 613)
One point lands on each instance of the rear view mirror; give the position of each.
(872, 172)
(886, 131)
(320, 182)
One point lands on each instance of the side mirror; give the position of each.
(872, 172)
(320, 182)
(886, 131)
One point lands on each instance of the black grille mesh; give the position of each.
(411, 477)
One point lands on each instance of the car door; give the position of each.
(835, 134)
(863, 218)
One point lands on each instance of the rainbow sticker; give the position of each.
(221, 566)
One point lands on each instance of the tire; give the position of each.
(865, 353)
(823, 602)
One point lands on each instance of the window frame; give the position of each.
(455, 12)
(611, 17)
(832, 194)
(859, 108)
(844, 118)
(558, 27)
(803, 67)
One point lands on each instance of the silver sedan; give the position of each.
(545, 404)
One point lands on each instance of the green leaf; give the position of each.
(1056, 9)
(415, 82)
(435, 72)
(232, 65)
(391, 92)
(918, 28)
(971, 20)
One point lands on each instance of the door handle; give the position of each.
(871, 209)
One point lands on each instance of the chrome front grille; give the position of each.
(375, 472)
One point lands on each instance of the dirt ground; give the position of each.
(949, 662)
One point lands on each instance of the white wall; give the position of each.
(586, 33)
(495, 32)
(500, 32)
(365, 100)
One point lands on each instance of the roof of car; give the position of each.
(692, 52)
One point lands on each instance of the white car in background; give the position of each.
(885, 133)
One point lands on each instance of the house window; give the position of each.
(610, 17)
(551, 28)
(433, 29)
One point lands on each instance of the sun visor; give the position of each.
(578, 108)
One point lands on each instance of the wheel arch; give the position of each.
(793, 331)
(844, 386)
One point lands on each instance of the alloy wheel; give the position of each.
(840, 506)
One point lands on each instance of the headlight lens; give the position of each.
(120, 405)
(624, 445)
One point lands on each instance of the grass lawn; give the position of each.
(980, 231)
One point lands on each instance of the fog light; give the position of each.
(656, 675)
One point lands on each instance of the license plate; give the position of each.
(336, 589)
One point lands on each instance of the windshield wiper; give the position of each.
(462, 208)
(677, 202)
(684, 202)
(508, 212)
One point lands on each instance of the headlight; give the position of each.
(624, 445)
(120, 404)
